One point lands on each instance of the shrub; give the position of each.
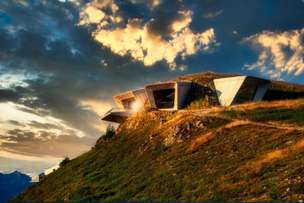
(200, 103)
(64, 161)
(110, 132)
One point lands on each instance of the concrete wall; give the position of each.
(230, 89)
(138, 95)
(183, 88)
(261, 91)
(122, 96)
(227, 88)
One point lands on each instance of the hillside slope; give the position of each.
(250, 152)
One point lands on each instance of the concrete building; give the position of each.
(172, 95)
(169, 95)
(240, 89)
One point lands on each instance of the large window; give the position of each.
(164, 99)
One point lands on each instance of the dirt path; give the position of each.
(202, 139)
(214, 112)
(278, 126)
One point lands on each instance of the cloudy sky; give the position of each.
(61, 61)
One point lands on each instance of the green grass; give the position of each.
(294, 116)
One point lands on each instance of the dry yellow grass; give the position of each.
(275, 155)
(288, 104)
(202, 139)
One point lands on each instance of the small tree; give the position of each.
(110, 132)
(64, 161)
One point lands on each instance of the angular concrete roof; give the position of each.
(138, 95)
(116, 116)
(230, 89)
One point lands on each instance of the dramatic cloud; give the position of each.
(9, 80)
(211, 15)
(163, 37)
(36, 134)
(43, 143)
(44, 77)
(279, 52)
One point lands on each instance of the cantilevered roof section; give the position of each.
(116, 116)
(128, 102)
(240, 89)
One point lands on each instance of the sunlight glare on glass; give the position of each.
(136, 106)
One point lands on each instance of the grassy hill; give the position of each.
(249, 152)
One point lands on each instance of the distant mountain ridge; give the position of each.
(12, 184)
